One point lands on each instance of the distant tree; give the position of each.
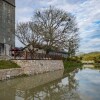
(73, 44)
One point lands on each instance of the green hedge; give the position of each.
(71, 65)
(74, 59)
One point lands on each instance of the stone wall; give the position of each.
(39, 66)
(31, 67)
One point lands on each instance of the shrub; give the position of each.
(74, 59)
(97, 59)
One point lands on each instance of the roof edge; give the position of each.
(13, 4)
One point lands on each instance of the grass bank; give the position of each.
(71, 65)
(6, 64)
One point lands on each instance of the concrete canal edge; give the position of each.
(31, 67)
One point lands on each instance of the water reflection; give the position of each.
(88, 66)
(89, 83)
(77, 85)
(49, 86)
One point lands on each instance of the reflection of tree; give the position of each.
(55, 90)
(72, 86)
(60, 88)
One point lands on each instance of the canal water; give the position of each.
(79, 84)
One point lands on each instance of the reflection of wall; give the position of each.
(8, 73)
(31, 67)
(20, 87)
(47, 86)
(56, 90)
(6, 94)
(88, 66)
(38, 80)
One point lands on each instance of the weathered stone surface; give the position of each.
(7, 22)
(7, 25)
(31, 67)
(39, 66)
(11, 2)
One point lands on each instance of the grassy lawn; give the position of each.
(6, 64)
(71, 65)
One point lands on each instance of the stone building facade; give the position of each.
(7, 26)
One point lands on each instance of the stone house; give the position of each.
(37, 49)
(40, 49)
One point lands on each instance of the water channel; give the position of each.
(80, 84)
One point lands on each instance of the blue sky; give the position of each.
(87, 14)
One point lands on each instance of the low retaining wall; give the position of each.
(39, 66)
(31, 67)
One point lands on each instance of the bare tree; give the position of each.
(54, 25)
(26, 34)
(53, 28)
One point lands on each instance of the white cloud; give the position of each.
(91, 45)
(23, 19)
(86, 12)
(24, 10)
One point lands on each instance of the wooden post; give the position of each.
(14, 54)
(25, 54)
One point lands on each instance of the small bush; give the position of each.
(71, 65)
(74, 59)
(97, 59)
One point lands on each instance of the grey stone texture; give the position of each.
(31, 67)
(10, 1)
(7, 22)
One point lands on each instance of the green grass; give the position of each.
(71, 65)
(6, 64)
